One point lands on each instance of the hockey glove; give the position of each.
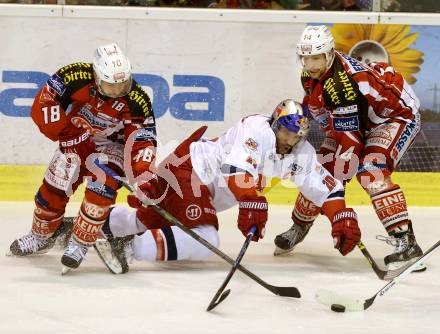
(345, 230)
(148, 189)
(79, 142)
(252, 211)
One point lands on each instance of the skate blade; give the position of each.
(65, 270)
(10, 254)
(398, 265)
(279, 251)
(103, 250)
(420, 268)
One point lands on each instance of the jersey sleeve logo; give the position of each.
(56, 83)
(251, 144)
(251, 162)
(353, 64)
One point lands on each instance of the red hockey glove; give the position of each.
(252, 211)
(345, 230)
(80, 142)
(149, 189)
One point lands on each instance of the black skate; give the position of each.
(406, 251)
(31, 244)
(62, 235)
(116, 253)
(286, 242)
(73, 255)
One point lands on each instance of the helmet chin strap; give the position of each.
(331, 55)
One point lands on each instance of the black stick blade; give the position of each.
(285, 291)
(223, 296)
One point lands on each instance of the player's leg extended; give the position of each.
(60, 181)
(385, 146)
(161, 241)
(159, 244)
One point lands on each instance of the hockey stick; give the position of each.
(340, 303)
(381, 273)
(216, 300)
(277, 290)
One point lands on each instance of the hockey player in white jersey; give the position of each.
(213, 175)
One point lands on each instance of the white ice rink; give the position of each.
(165, 298)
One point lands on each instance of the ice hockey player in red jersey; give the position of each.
(370, 116)
(217, 174)
(94, 111)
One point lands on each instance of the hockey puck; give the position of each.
(338, 308)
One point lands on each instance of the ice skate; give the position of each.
(30, 244)
(116, 253)
(406, 250)
(73, 255)
(286, 242)
(62, 235)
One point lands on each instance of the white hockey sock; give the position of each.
(171, 243)
(123, 222)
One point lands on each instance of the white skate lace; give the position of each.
(400, 244)
(31, 242)
(76, 251)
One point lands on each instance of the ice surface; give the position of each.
(172, 297)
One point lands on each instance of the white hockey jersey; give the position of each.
(249, 146)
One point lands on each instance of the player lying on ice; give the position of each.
(89, 108)
(370, 116)
(214, 175)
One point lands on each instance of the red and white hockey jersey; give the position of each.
(354, 97)
(250, 146)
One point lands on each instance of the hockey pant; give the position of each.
(373, 160)
(61, 180)
(162, 244)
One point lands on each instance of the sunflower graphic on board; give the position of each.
(380, 42)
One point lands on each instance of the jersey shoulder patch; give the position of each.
(352, 65)
(139, 102)
(71, 78)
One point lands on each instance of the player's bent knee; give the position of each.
(380, 186)
(123, 222)
(190, 249)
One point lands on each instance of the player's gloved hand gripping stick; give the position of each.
(277, 290)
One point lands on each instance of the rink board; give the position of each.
(20, 183)
(162, 298)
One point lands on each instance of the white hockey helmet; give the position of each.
(112, 67)
(292, 115)
(316, 40)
